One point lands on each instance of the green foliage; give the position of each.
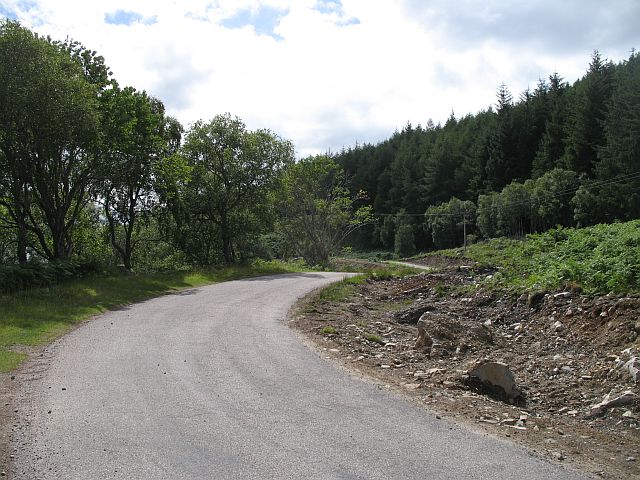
(582, 138)
(328, 331)
(133, 125)
(533, 206)
(405, 245)
(316, 211)
(446, 222)
(14, 278)
(372, 337)
(600, 259)
(227, 197)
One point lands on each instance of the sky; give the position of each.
(328, 74)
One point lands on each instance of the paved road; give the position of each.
(409, 264)
(211, 384)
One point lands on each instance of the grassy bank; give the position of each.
(344, 289)
(35, 317)
(598, 259)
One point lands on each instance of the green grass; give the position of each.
(35, 317)
(328, 331)
(598, 259)
(339, 291)
(372, 337)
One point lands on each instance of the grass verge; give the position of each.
(35, 317)
(342, 290)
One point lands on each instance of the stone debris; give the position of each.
(627, 398)
(564, 354)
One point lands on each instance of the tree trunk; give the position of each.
(225, 232)
(21, 248)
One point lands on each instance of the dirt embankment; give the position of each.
(567, 352)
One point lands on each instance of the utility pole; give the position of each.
(464, 228)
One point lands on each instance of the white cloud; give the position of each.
(332, 73)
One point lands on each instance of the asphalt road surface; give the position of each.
(211, 384)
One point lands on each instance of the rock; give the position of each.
(412, 314)
(497, 374)
(439, 334)
(627, 398)
(534, 299)
(412, 386)
(633, 367)
(558, 326)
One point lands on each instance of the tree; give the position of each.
(552, 144)
(551, 199)
(618, 165)
(21, 54)
(64, 161)
(449, 222)
(405, 244)
(589, 108)
(316, 209)
(233, 171)
(133, 128)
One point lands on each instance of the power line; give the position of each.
(562, 193)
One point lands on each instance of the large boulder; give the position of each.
(496, 375)
(443, 334)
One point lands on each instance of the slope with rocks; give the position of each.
(569, 354)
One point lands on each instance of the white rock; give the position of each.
(627, 398)
(497, 374)
(633, 367)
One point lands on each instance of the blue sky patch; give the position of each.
(124, 17)
(349, 21)
(264, 20)
(329, 6)
(334, 7)
(5, 12)
(22, 6)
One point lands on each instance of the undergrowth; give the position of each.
(597, 260)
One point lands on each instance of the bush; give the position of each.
(14, 278)
(405, 245)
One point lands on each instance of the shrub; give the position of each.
(405, 245)
(14, 278)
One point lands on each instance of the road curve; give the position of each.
(211, 384)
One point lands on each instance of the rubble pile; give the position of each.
(529, 364)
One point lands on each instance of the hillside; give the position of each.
(557, 308)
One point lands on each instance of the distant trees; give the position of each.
(450, 221)
(558, 155)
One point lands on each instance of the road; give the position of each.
(211, 384)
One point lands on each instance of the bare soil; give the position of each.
(566, 351)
